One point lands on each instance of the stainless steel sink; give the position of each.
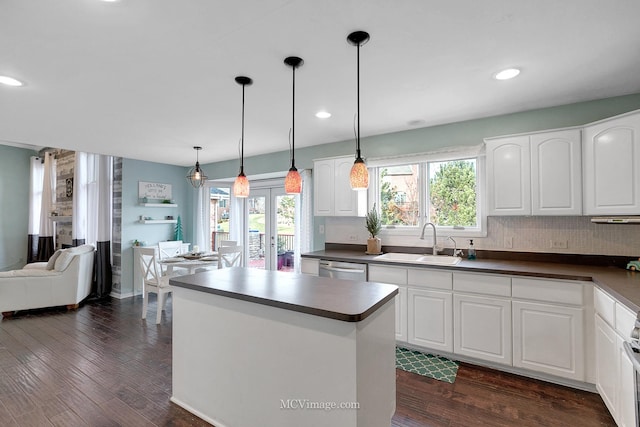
(418, 258)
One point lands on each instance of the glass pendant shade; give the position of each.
(293, 182)
(196, 176)
(241, 186)
(359, 176)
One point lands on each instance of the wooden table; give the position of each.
(254, 347)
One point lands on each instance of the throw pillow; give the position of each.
(64, 260)
(52, 261)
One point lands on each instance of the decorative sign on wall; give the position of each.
(154, 191)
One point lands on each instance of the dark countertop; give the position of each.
(624, 285)
(343, 300)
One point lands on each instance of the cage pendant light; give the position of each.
(241, 185)
(359, 176)
(293, 180)
(196, 176)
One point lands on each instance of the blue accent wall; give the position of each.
(14, 206)
(134, 171)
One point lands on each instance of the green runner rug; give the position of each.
(436, 367)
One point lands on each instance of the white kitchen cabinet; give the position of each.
(556, 173)
(332, 191)
(401, 314)
(430, 319)
(310, 266)
(537, 174)
(508, 176)
(549, 338)
(482, 327)
(611, 166)
(607, 364)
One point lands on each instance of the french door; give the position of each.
(271, 216)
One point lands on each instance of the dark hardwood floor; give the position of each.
(103, 366)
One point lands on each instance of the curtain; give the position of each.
(238, 229)
(36, 178)
(80, 206)
(202, 241)
(304, 218)
(92, 208)
(45, 239)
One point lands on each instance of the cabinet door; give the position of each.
(323, 179)
(310, 266)
(482, 328)
(347, 202)
(626, 382)
(611, 151)
(549, 338)
(607, 368)
(430, 319)
(556, 173)
(509, 176)
(401, 314)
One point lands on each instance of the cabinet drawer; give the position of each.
(556, 291)
(429, 278)
(482, 284)
(605, 306)
(384, 274)
(625, 321)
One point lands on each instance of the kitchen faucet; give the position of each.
(435, 241)
(456, 251)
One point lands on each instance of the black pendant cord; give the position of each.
(242, 137)
(358, 102)
(293, 122)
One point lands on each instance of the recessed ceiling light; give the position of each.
(507, 74)
(323, 114)
(10, 81)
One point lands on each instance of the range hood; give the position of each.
(616, 219)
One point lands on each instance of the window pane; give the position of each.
(219, 211)
(452, 193)
(399, 195)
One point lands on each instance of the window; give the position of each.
(443, 189)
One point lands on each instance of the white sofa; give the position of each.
(63, 281)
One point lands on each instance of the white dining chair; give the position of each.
(228, 243)
(229, 256)
(153, 281)
(169, 249)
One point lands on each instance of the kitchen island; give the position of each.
(254, 347)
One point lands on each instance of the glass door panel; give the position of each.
(285, 216)
(258, 207)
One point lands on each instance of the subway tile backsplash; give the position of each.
(526, 234)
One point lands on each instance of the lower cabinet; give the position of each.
(430, 319)
(607, 368)
(627, 384)
(549, 338)
(401, 315)
(482, 327)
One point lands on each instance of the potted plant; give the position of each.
(374, 244)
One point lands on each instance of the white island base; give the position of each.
(238, 363)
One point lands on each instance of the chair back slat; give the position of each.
(169, 249)
(230, 256)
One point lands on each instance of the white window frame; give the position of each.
(451, 154)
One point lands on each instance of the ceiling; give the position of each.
(150, 79)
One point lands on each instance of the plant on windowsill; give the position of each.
(374, 244)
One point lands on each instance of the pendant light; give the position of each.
(196, 176)
(359, 176)
(293, 181)
(241, 186)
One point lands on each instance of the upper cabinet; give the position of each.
(611, 150)
(332, 191)
(538, 174)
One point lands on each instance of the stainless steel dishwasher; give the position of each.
(343, 270)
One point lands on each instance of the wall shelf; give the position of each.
(159, 205)
(158, 221)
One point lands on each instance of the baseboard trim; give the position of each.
(121, 296)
